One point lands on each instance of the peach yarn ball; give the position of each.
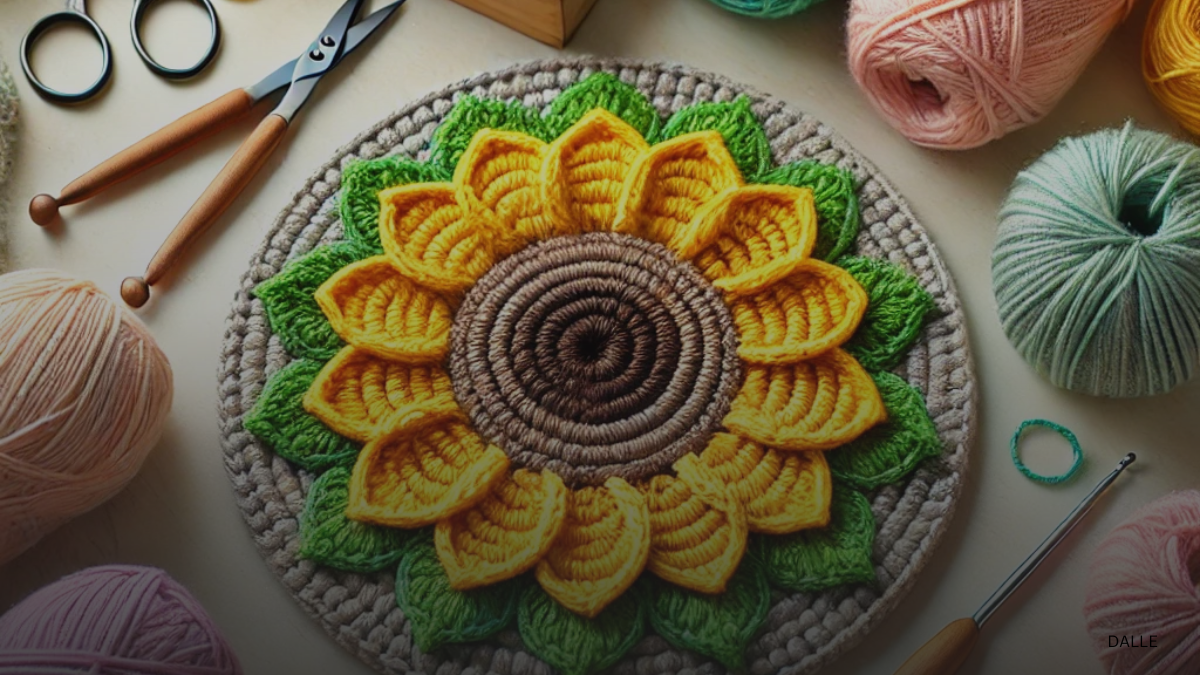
(84, 395)
(955, 74)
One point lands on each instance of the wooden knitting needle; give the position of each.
(228, 184)
(156, 147)
(943, 654)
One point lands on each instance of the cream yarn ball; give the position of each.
(84, 396)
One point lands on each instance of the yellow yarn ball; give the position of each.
(84, 396)
(1171, 59)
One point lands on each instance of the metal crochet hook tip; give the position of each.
(947, 650)
(1050, 543)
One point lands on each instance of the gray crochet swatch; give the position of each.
(803, 632)
(8, 152)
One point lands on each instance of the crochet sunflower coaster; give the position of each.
(596, 365)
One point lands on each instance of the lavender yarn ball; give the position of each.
(113, 619)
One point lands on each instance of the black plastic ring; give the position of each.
(46, 23)
(214, 41)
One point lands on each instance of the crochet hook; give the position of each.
(947, 650)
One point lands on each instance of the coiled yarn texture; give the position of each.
(1171, 59)
(1096, 267)
(956, 74)
(113, 619)
(84, 396)
(1143, 582)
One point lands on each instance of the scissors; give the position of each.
(299, 75)
(76, 12)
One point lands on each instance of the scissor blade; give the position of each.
(322, 54)
(339, 25)
(358, 33)
(362, 30)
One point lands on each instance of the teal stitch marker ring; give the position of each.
(1065, 433)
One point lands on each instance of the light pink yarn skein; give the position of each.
(1142, 582)
(84, 396)
(955, 74)
(113, 619)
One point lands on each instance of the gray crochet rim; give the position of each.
(803, 632)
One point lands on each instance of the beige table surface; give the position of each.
(179, 513)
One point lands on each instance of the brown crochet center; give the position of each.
(593, 356)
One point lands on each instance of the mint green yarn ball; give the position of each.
(766, 9)
(1096, 267)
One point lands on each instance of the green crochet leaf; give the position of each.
(896, 312)
(838, 554)
(836, 202)
(744, 136)
(576, 645)
(328, 537)
(719, 625)
(291, 307)
(279, 418)
(602, 90)
(889, 451)
(361, 184)
(470, 114)
(441, 615)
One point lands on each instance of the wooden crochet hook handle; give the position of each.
(945, 652)
(158, 146)
(225, 188)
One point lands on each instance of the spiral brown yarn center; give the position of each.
(595, 355)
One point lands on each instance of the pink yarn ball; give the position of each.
(956, 74)
(84, 396)
(1142, 582)
(113, 619)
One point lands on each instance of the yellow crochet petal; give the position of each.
(782, 491)
(750, 237)
(817, 404)
(585, 172)
(814, 309)
(356, 392)
(433, 240)
(668, 186)
(506, 533)
(431, 465)
(697, 532)
(500, 175)
(601, 549)
(375, 308)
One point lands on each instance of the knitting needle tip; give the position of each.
(135, 291)
(43, 209)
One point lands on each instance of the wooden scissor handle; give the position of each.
(158, 146)
(225, 188)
